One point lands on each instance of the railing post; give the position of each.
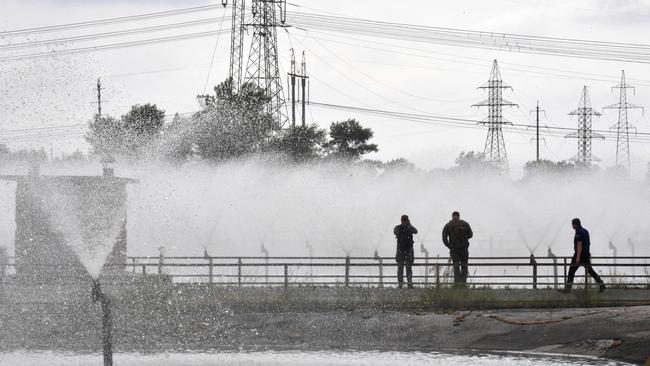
(426, 263)
(564, 268)
(533, 262)
(210, 271)
(133, 263)
(239, 263)
(380, 263)
(347, 271)
(286, 276)
(438, 271)
(144, 269)
(161, 262)
(554, 258)
(381, 272)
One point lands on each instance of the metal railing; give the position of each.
(495, 272)
(500, 272)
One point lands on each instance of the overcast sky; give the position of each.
(349, 70)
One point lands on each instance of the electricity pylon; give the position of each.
(622, 127)
(263, 67)
(236, 43)
(584, 134)
(495, 147)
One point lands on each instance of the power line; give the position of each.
(128, 44)
(214, 53)
(456, 58)
(113, 34)
(612, 51)
(107, 21)
(556, 131)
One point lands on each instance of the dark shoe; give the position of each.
(602, 287)
(400, 285)
(410, 285)
(565, 290)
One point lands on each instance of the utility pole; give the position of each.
(292, 77)
(495, 147)
(302, 75)
(622, 127)
(263, 66)
(584, 134)
(107, 158)
(99, 100)
(303, 82)
(537, 139)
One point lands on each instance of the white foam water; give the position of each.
(90, 225)
(324, 358)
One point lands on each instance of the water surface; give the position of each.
(274, 358)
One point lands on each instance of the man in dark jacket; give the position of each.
(455, 236)
(404, 256)
(581, 256)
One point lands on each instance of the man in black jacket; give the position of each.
(455, 236)
(404, 256)
(581, 256)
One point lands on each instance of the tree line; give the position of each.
(228, 126)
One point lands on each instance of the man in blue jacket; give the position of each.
(581, 256)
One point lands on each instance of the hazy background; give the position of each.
(365, 72)
(231, 209)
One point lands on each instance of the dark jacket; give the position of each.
(404, 235)
(452, 230)
(582, 235)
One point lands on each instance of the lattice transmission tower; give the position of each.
(262, 67)
(622, 127)
(236, 43)
(584, 134)
(495, 147)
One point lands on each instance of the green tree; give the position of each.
(300, 144)
(130, 135)
(399, 164)
(232, 125)
(105, 136)
(4, 152)
(473, 161)
(547, 167)
(349, 141)
(178, 139)
(141, 126)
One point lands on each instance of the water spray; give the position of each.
(614, 253)
(99, 296)
(381, 268)
(554, 259)
(266, 261)
(426, 262)
(161, 258)
(347, 266)
(207, 256)
(310, 252)
(631, 244)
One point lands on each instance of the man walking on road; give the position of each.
(581, 256)
(404, 255)
(455, 236)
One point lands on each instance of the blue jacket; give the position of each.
(582, 235)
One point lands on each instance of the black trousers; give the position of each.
(459, 258)
(585, 261)
(404, 258)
